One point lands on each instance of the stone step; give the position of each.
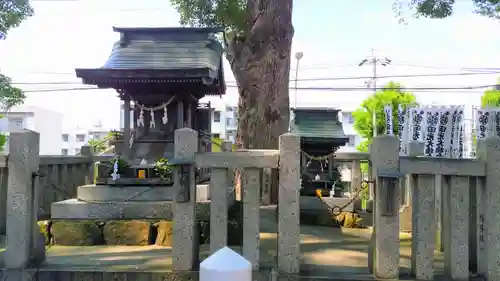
(82, 210)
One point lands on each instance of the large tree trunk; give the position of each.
(261, 65)
(260, 62)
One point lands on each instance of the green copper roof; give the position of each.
(317, 123)
(161, 54)
(165, 48)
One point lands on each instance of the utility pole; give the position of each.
(298, 57)
(374, 61)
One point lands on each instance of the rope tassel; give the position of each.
(140, 120)
(165, 115)
(152, 123)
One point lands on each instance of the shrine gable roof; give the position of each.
(318, 124)
(161, 55)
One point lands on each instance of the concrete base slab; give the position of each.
(107, 193)
(76, 209)
(103, 193)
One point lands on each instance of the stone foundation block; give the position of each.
(164, 233)
(133, 232)
(76, 233)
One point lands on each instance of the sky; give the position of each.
(333, 35)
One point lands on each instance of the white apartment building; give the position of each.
(74, 139)
(348, 125)
(224, 121)
(122, 116)
(46, 122)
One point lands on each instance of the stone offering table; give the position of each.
(126, 198)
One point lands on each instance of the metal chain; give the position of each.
(337, 210)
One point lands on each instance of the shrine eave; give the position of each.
(104, 76)
(169, 29)
(144, 74)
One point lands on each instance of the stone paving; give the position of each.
(325, 251)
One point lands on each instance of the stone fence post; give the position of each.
(227, 146)
(384, 155)
(23, 242)
(89, 151)
(488, 210)
(288, 206)
(356, 179)
(4, 176)
(185, 238)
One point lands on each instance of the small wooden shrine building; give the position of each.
(161, 74)
(321, 134)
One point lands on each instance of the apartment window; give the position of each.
(348, 118)
(217, 116)
(216, 136)
(352, 140)
(95, 136)
(80, 138)
(64, 151)
(231, 134)
(77, 151)
(65, 138)
(228, 122)
(15, 124)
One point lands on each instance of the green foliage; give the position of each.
(392, 94)
(363, 147)
(12, 13)
(98, 145)
(117, 135)
(9, 95)
(3, 141)
(163, 168)
(231, 14)
(439, 9)
(491, 98)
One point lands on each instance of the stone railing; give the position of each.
(250, 164)
(468, 197)
(56, 178)
(59, 176)
(463, 204)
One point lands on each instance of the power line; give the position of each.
(427, 66)
(333, 89)
(440, 66)
(374, 61)
(401, 76)
(324, 66)
(314, 79)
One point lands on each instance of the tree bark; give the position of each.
(261, 65)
